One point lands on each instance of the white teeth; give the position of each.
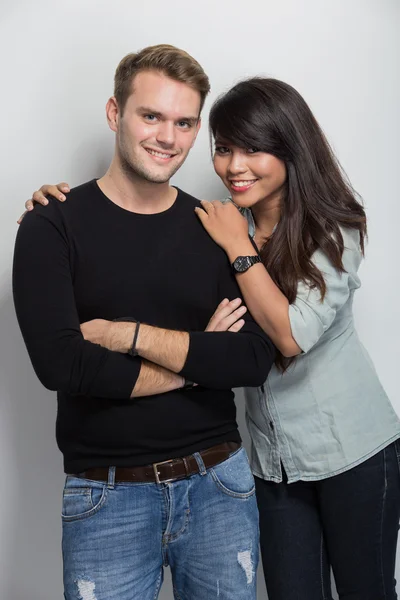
(159, 154)
(242, 183)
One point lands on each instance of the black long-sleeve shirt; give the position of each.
(89, 258)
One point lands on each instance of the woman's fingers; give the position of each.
(208, 206)
(39, 196)
(51, 190)
(21, 217)
(63, 187)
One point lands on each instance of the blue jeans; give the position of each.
(117, 537)
(349, 522)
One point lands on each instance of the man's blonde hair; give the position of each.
(169, 60)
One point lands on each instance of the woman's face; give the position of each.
(251, 176)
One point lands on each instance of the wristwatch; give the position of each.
(242, 263)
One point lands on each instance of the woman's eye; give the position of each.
(221, 149)
(252, 150)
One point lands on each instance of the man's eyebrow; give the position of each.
(190, 120)
(144, 110)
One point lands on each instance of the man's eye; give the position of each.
(184, 124)
(150, 117)
(221, 149)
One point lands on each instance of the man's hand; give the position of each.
(114, 335)
(117, 336)
(228, 316)
(39, 197)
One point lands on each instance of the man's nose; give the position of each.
(166, 134)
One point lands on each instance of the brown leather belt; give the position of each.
(167, 470)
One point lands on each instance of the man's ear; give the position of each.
(198, 125)
(113, 114)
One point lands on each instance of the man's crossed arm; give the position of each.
(153, 378)
(65, 361)
(214, 358)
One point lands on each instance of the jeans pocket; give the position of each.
(82, 498)
(234, 477)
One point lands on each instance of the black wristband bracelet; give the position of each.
(132, 351)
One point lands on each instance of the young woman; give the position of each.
(325, 449)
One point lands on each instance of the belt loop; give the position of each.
(111, 478)
(200, 463)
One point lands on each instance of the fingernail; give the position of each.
(30, 208)
(61, 197)
(46, 202)
(242, 309)
(66, 188)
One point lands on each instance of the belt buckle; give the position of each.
(157, 474)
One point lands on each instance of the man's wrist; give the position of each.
(167, 348)
(121, 336)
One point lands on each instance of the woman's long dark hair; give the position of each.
(272, 116)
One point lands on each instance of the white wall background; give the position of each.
(57, 66)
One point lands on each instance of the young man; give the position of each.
(113, 291)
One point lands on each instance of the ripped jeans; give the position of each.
(117, 537)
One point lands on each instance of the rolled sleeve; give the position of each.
(310, 315)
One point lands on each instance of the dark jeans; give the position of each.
(348, 522)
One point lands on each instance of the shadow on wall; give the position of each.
(32, 474)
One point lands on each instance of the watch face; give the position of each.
(241, 264)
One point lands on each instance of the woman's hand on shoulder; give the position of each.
(39, 197)
(224, 223)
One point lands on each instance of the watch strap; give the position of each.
(251, 260)
(254, 260)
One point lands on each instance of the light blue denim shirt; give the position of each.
(328, 412)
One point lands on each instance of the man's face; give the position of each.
(158, 127)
